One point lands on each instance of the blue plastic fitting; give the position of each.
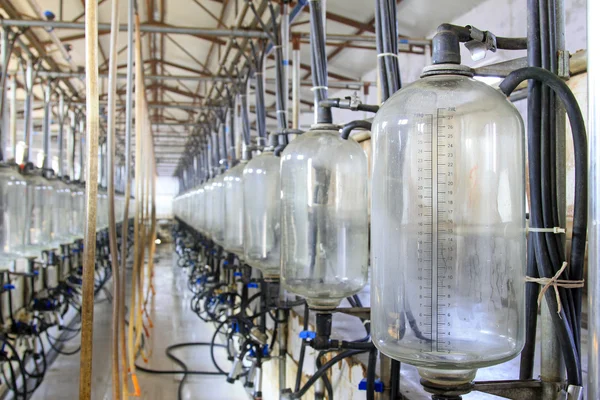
(378, 385)
(307, 335)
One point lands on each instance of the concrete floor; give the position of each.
(174, 322)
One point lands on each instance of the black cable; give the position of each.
(325, 379)
(532, 291)
(321, 371)
(350, 126)
(184, 369)
(302, 351)
(565, 332)
(395, 380)
(371, 373)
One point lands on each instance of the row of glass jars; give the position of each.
(40, 214)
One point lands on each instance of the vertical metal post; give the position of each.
(71, 140)
(46, 164)
(385, 366)
(593, 36)
(13, 115)
(81, 147)
(27, 117)
(92, 115)
(5, 57)
(296, 84)
(61, 134)
(282, 315)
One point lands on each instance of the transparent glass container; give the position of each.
(262, 214)
(63, 207)
(39, 204)
(218, 210)
(208, 204)
(234, 209)
(324, 232)
(448, 228)
(199, 200)
(78, 213)
(13, 190)
(102, 211)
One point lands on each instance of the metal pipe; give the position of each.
(593, 292)
(46, 126)
(117, 393)
(149, 28)
(71, 140)
(296, 86)
(4, 59)
(61, 134)
(13, 115)
(27, 115)
(127, 179)
(337, 84)
(285, 42)
(91, 198)
(81, 147)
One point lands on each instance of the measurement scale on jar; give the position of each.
(435, 234)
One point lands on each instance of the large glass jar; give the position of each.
(39, 203)
(448, 227)
(200, 198)
(218, 210)
(234, 209)
(324, 249)
(63, 207)
(208, 204)
(262, 214)
(78, 214)
(13, 191)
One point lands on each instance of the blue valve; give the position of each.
(307, 335)
(235, 327)
(8, 286)
(237, 273)
(378, 385)
(253, 285)
(266, 350)
(225, 262)
(36, 272)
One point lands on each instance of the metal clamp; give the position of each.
(483, 41)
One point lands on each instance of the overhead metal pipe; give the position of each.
(337, 84)
(149, 28)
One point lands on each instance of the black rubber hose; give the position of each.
(350, 126)
(302, 350)
(464, 35)
(565, 333)
(319, 373)
(395, 380)
(325, 379)
(532, 291)
(319, 61)
(371, 374)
